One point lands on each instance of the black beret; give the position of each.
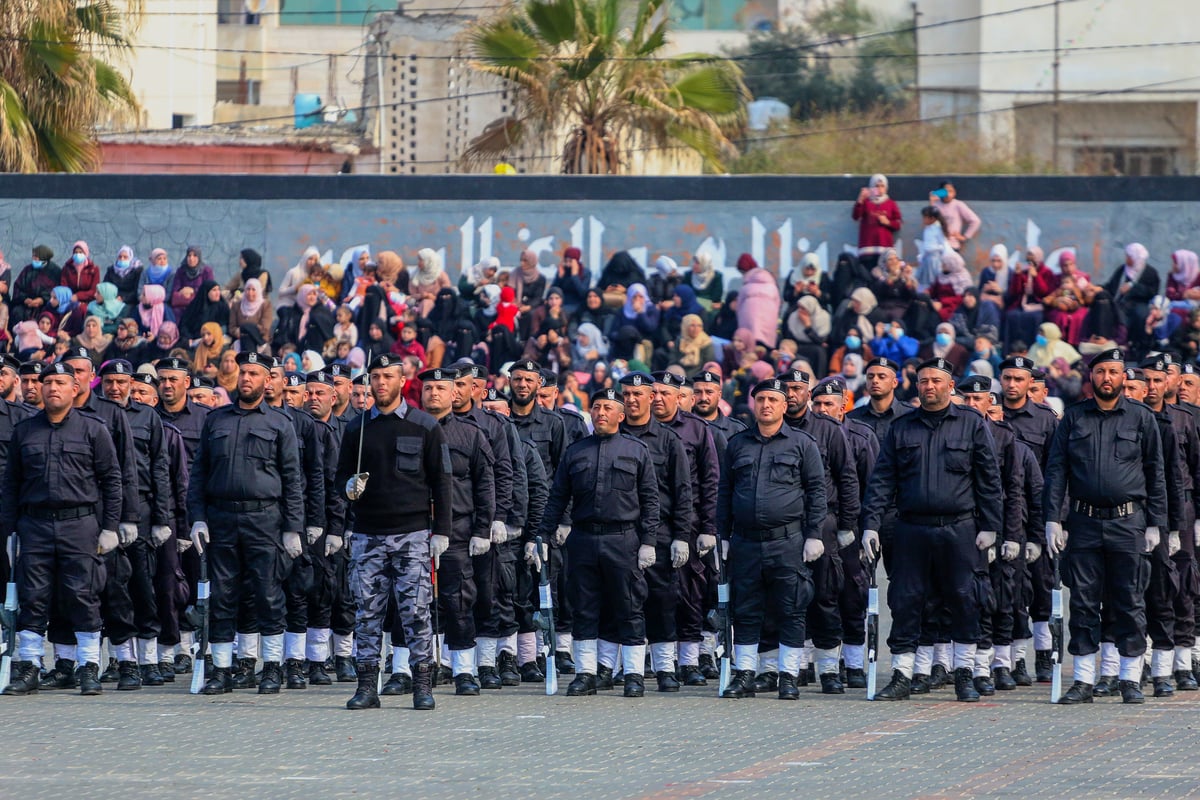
(549, 378)
(469, 369)
(1134, 374)
(440, 374)
(831, 386)
(1039, 376)
(252, 357)
(383, 361)
(338, 371)
(707, 376)
(1017, 362)
(884, 361)
(293, 379)
(668, 379)
(32, 368)
(974, 384)
(1108, 354)
(321, 376)
(494, 395)
(201, 382)
(118, 366)
(937, 363)
(361, 380)
(794, 376)
(146, 378)
(1157, 363)
(180, 364)
(769, 385)
(1189, 368)
(608, 394)
(525, 365)
(76, 353)
(58, 368)
(637, 379)
(8, 360)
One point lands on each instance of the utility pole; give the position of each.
(916, 58)
(1057, 94)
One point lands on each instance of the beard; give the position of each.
(249, 395)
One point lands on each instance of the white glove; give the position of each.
(532, 557)
(991, 554)
(1010, 550)
(438, 545)
(985, 539)
(499, 534)
(332, 544)
(1056, 538)
(646, 556)
(870, 542)
(108, 542)
(357, 485)
(292, 545)
(705, 543)
(679, 553)
(1173, 544)
(199, 535)
(313, 533)
(512, 533)
(160, 534)
(813, 549)
(845, 539)
(560, 535)
(183, 545)
(1033, 551)
(478, 545)
(127, 532)
(1153, 537)
(1196, 532)
(724, 549)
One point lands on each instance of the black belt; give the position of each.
(936, 520)
(1103, 512)
(242, 506)
(59, 514)
(770, 534)
(602, 528)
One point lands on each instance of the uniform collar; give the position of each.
(401, 410)
(261, 408)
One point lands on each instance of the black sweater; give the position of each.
(407, 459)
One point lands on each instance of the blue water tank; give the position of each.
(308, 110)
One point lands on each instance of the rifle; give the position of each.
(1056, 636)
(872, 628)
(202, 612)
(8, 617)
(546, 619)
(725, 623)
(437, 641)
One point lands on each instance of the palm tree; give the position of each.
(593, 71)
(56, 83)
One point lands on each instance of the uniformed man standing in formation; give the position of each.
(31, 384)
(938, 467)
(246, 481)
(62, 498)
(395, 466)
(608, 481)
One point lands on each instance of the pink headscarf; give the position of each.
(152, 317)
(1138, 254)
(302, 301)
(1187, 267)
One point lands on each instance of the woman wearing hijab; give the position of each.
(848, 274)
(758, 301)
(128, 343)
(308, 324)
(227, 371)
(80, 274)
(430, 278)
(853, 344)
(528, 282)
(209, 346)
(1024, 310)
(683, 303)
(740, 353)
(1049, 345)
(252, 310)
(706, 282)
(949, 287)
(590, 346)
(945, 346)
(476, 276)
(297, 276)
(70, 312)
(548, 339)
(162, 344)
(573, 278)
(852, 372)
(157, 272)
(207, 306)
(378, 338)
(859, 312)
(809, 326)
(1183, 282)
(94, 339)
(640, 313)
(250, 268)
(124, 274)
(189, 277)
(1132, 287)
(593, 311)
(724, 321)
(663, 280)
(153, 310)
(878, 219)
(108, 306)
(1067, 304)
(694, 347)
(993, 279)
(33, 287)
(620, 273)
(807, 279)
(312, 361)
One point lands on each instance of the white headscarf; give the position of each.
(429, 267)
(703, 278)
(1002, 274)
(1139, 255)
(665, 266)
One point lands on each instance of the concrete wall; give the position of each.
(468, 217)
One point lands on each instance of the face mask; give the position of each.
(897, 333)
(853, 342)
(943, 339)
(38, 264)
(984, 354)
(1040, 340)
(123, 263)
(79, 258)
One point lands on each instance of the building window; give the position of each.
(182, 120)
(328, 12)
(233, 92)
(240, 12)
(1128, 161)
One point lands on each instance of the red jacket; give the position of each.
(81, 280)
(873, 233)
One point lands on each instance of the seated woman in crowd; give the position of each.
(950, 285)
(590, 346)
(108, 307)
(894, 286)
(1066, 305)
(706, 282)
(124, 275)
(1023, 301)
(852, 345)
(808, 326)
(207, 306)
(693, 348)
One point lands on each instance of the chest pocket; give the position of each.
(33, 458)
(624, 475)
(785, 469)
(908, 458)
(542, 439)
(260, 444)
(460, 461)
(1127, 446)
(957, 458)
(743, 473)
(220, 444)
(141, 442)
(77, 458)
(408, 454)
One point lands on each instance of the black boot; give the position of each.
(856, 678)
(803, 678)
(1020, 674)
(489, 678)
(635, 685)
(708, 667)
(787, 687)
(983, 684)
(1043, 666)
(938, 677)
(604, 677)
(166, 671)
(317, 676)
(1079, 692)
(88, 678)
(365, 696)
(830, 683)
(1106, 686)
(742, 684)
(442, 675)
(692, 676)
(1184, 682)
(1163, 687)
(919, 684)
(964, 686)
(183, 664)
(242, 676)
(25, 678)
(564, 663)
(1131, 692)
(584, 684)
(150, 675)
(1003, 679)
(343, 666)
(531, 673)
(219, 683)
(61, 677)
(295, 674)
(398, 683)
(423, 687)
(766, 682)
(465, 685)
(666, 682)
(272, 678)
(506, 665)
(128, 677)
(898, 689)
(111, 673)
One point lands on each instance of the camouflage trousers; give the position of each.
(392, 566)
